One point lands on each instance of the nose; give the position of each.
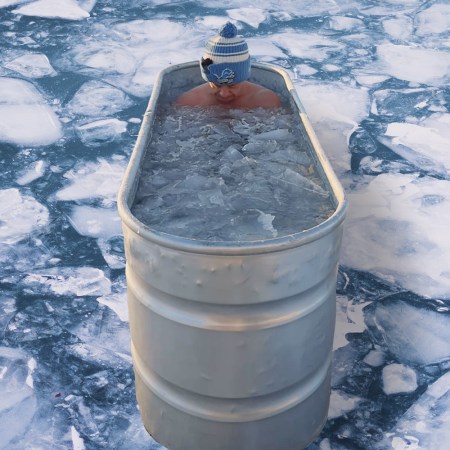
(224, 91)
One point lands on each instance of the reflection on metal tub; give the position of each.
(231, 341)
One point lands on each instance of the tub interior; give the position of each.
(177, 79)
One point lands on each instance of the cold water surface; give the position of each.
(229, 175)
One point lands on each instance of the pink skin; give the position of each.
(225, 93)
(240, 95)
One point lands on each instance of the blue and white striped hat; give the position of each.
(226, 59)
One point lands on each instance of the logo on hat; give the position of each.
(226, 77)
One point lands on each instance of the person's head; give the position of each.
(225, 61)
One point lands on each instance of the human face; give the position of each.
(225, 93)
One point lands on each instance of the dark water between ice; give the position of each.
(230, 175)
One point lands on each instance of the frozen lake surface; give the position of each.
(218, 174)
(75, 78)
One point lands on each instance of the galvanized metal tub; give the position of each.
(231, 341)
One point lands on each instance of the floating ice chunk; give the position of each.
(145, 31)
(87, 5)
(343, 23)
(370, 80)
(15, 91)
(128, 55)
(264, 49)
(399, 27)
(309, 7)
(334, 110)
(394, 232)
(5, 3)
(95, 222)
(20, 215)
(375, 358)
(341, 403)
(331, 67)
(390, 7)
(94, 180)
(29, 125)
(101, 131)
(101, 332)
(150, 66)
(97, 355)
(253, 16)
(401, 103)
(98, 99)
(304, 69)
(307, 45)
(61, 9)
(30, 325)
(144, 38)
(433, 20)
(209, 22)
(419, 65)
(334, 102)
(426, 145)
(32, 65)
(31, 173)
(398, 379)
(118, 303)
(108, 59)
(18, 403)
(77, 440)
(7, 310)
(83, 417)
(113, 251)
(349, 319)
(25, 117)
(416, 336)
(79, 281)
(425, 423)
(135, 437)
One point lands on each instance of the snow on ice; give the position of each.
(20, 215)
(396, 228)
(32, 65)
(98, 99)
(62, 9)
(99, 179)
(398, 378)
(25, 117)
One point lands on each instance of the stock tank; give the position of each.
(231, 341)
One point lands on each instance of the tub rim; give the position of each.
(130, 179)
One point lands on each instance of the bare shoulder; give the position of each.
(268, 99)
(263, 97)
(194, 97)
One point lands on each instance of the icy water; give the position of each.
(215, 174)
(75, 79)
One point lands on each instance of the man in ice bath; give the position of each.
(225, 66)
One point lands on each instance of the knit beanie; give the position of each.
(226, 59)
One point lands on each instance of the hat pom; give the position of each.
(228, 30)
